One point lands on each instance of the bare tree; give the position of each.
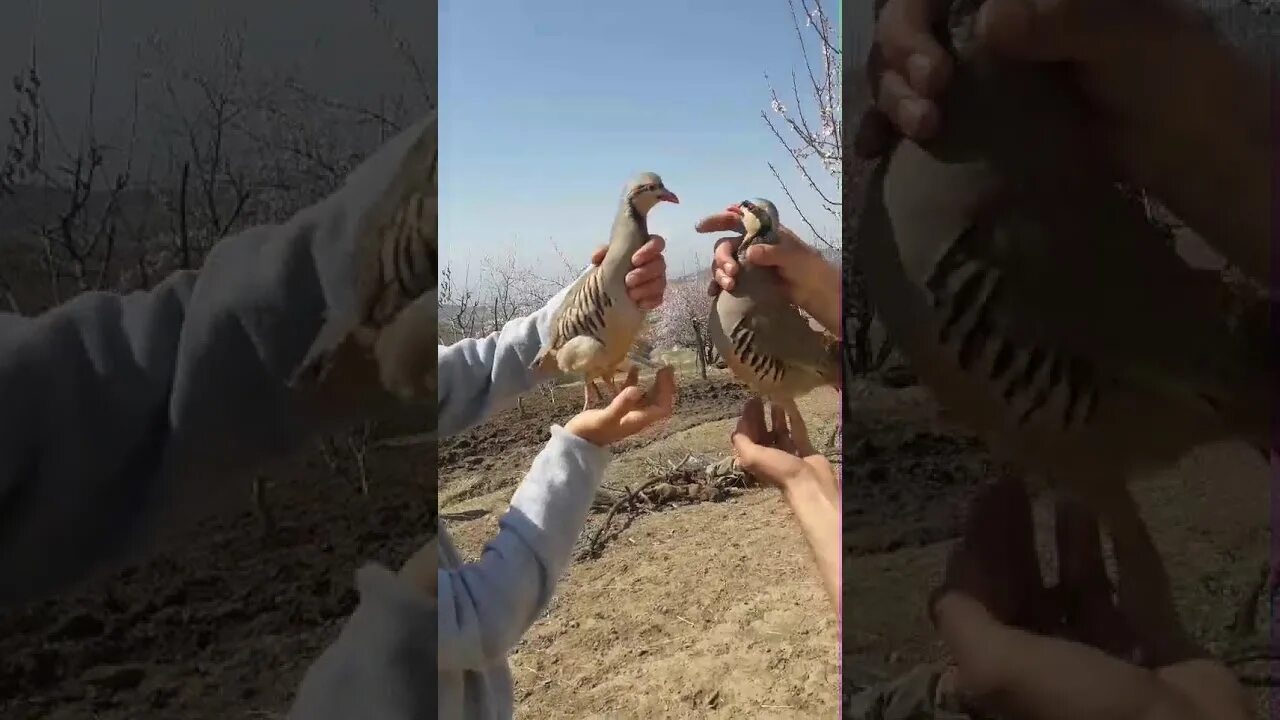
(346, 454)
(407, 54)
(812, 132)
(80, 184)
(505, 289)
(513, 291)
(459, 311)
(810, 129)
(247, 148)
(204, 97)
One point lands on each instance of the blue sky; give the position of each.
(548, 108)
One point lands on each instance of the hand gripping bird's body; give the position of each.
(762, 337)
(1036, 301)
(594, 329)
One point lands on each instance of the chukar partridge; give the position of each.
(1036, 301)
(762, 337)
(594, 330)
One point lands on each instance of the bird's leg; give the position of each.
(587, 387)
(610, 383)
(1143, 592)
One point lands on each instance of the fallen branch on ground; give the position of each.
(667, 483)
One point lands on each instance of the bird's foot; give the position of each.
(587, 387)
(610, 383)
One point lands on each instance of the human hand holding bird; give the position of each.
(647, 282)
(809, 281)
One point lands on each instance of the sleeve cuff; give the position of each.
(592, 455)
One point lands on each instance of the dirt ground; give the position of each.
(691, 609)
(695, 609)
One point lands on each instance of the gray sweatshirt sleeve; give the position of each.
(119, 411)
(486, 606)
(382, 666)
(480, 376)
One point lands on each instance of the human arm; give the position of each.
(811, 282)
(486, 606)
(786, 459)
(478, 376)
(122, 411)
(427, 618)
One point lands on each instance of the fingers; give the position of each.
(1090, 614)
(784, 254)
(647, 282)
(751, 423)
(723, 265)
(634, 410)
(1079, 545)
(663, 393)
(597, 257)
(657, 403)
(904, 32)
(627, 399)
(650, 251)
(909, 68)
(916, 116)
(751, 436)
(781, 435)
(770, 255)
(1144, 593)
(995, 561)
(633, 377)
(653, 271)
(724, 221)
(799, 432)
(1019, 674)
(755, 447)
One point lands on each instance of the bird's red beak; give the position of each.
(734, 210)
(669, 197)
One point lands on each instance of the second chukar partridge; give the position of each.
(1037, 301)
(594, 330)
(762, 337)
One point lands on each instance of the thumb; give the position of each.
(769, 255)
(748, 451)
(1040, 677)
(765, 463)
(597, 257)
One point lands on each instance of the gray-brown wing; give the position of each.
(583, 309)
